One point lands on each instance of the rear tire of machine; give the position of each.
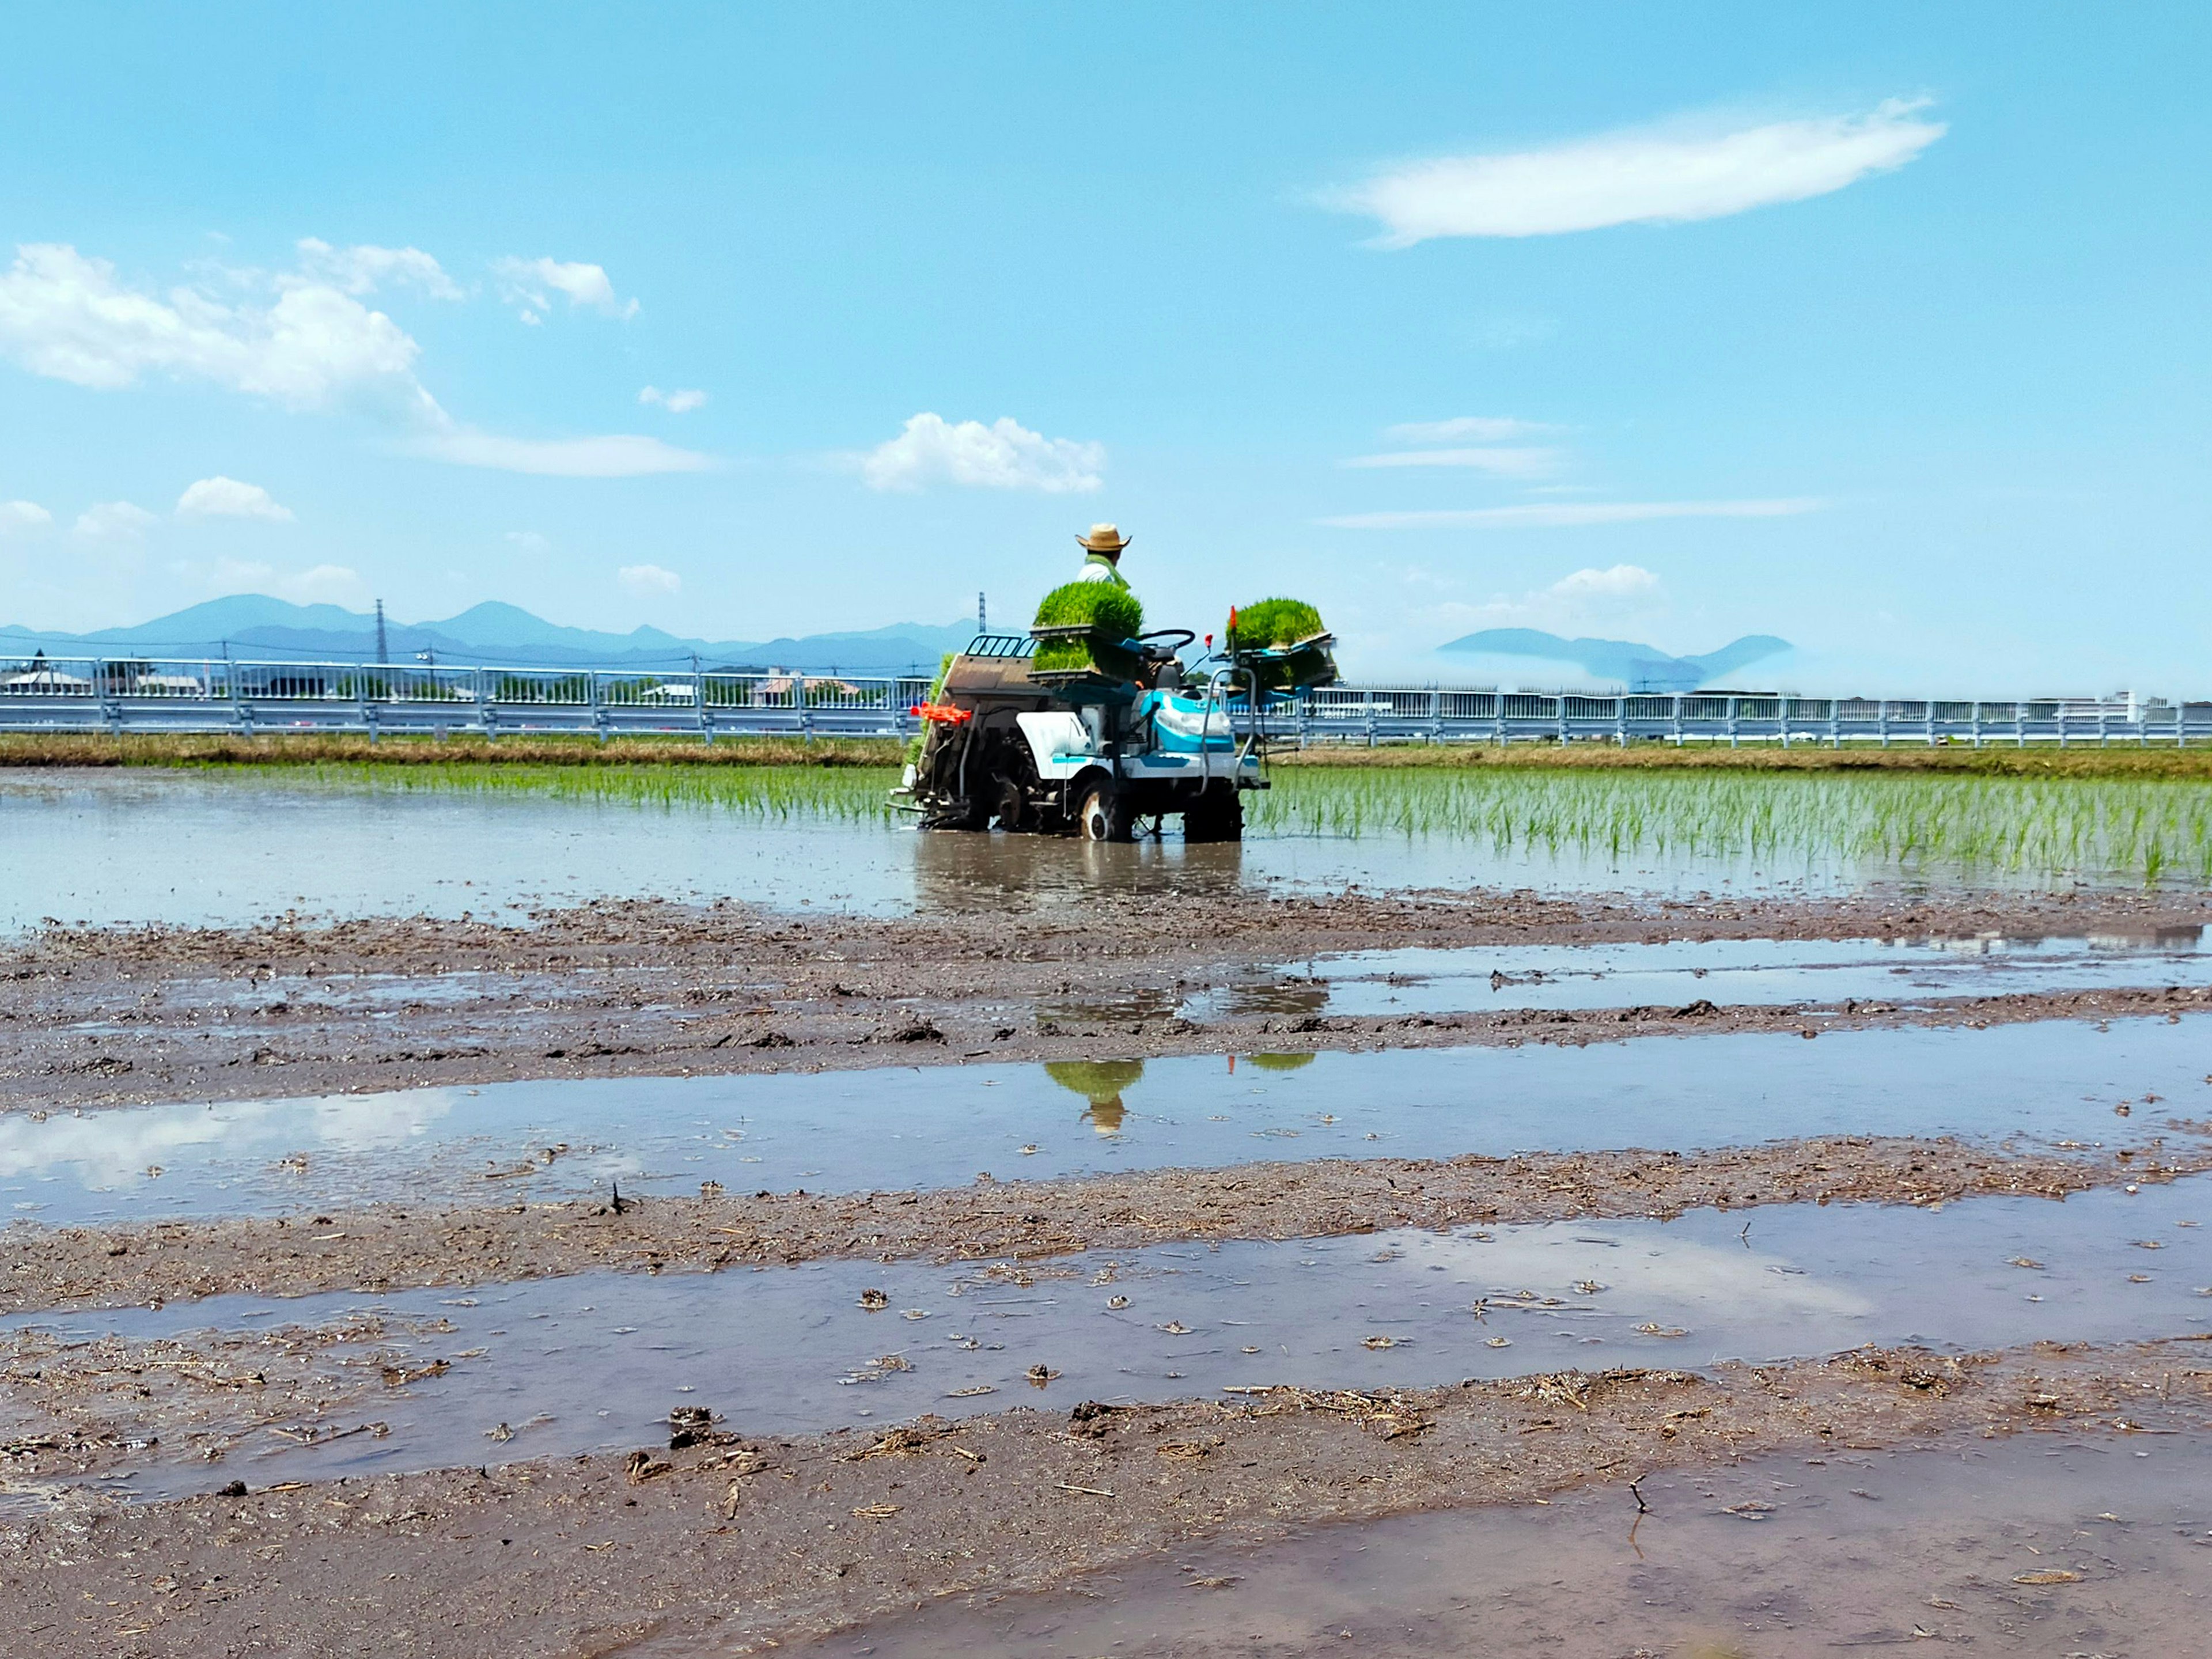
(1104, 815)
(1218, 814)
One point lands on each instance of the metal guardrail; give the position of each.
(152, 695)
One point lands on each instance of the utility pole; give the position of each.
(380, 655)
(983, 625)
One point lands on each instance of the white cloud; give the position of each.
(1505, 462)
(1579, 599)
(323, 584)
(676, 403)
(615, 456)
(363, 269)
(226, 498)
(114, 521)
(1471, 428)
(649, 579)
(529, 542)
(68, 317)
(1663, 176)
(531, 283)
(23, 518)
(1555, 515)
(1004, 455)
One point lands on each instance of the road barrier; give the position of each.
(140, 695)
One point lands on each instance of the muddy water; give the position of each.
(939, 1126)
(1905, 973)
(2055, 1544)
(127, 848)
(593, 1362)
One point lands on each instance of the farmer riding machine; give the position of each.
(1092, 727)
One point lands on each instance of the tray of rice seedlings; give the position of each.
(1086, 631)
(1284, 644)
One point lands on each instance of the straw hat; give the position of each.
(1103, 538)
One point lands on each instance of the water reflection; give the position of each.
(1101, 1083)
(937, 1125)
(954, 871)
(784, 1349)
(1731, 972)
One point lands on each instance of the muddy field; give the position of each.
(390, 1246)
(709, 1542)
(185, 1340)
(108, 1016)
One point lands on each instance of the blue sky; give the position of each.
(1880, 328)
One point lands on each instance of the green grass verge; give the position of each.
(325, 749)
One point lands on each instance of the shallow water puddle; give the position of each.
(1731, 973)
(938, 1125)
(595, 1362)
(2061, 1545)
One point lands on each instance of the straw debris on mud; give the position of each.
(768, 1541)
(121, 1016)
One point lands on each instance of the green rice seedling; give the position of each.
(2147, 830)
(1274, 621)
(1109, 610)
(764, 793)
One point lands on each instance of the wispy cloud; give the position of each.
(23, 518)
(617, 455)
(1582, 599)
(1004, 455)
(530, 284)
(1503, 461)
(1563, 515)
(364, 268)
(1668, 175)
(649, 581)
(1467, 428)
(114, 521)
(226, 498)
(302, 339)
(676, 403)
(322, 584)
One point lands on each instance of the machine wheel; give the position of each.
(1217, 815)
(1104, 815)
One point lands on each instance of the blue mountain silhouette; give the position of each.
(1639, 668)
(252, 626)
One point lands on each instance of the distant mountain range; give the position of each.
(254, 627)
(1637, 667)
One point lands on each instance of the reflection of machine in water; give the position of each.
(1279, 1062)
(957, 873)
(1101, 1083)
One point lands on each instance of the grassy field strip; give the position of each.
(2150, 830)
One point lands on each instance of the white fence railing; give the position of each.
(44, 694)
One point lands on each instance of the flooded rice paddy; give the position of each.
(205, 848)
(2048, 1545)
(595, 1362)
(1901, 973)
(939, 1126)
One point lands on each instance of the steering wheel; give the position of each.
(1183, 636)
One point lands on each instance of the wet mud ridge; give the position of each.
(392, 1246)
(710, 1542)
(127, 1016)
